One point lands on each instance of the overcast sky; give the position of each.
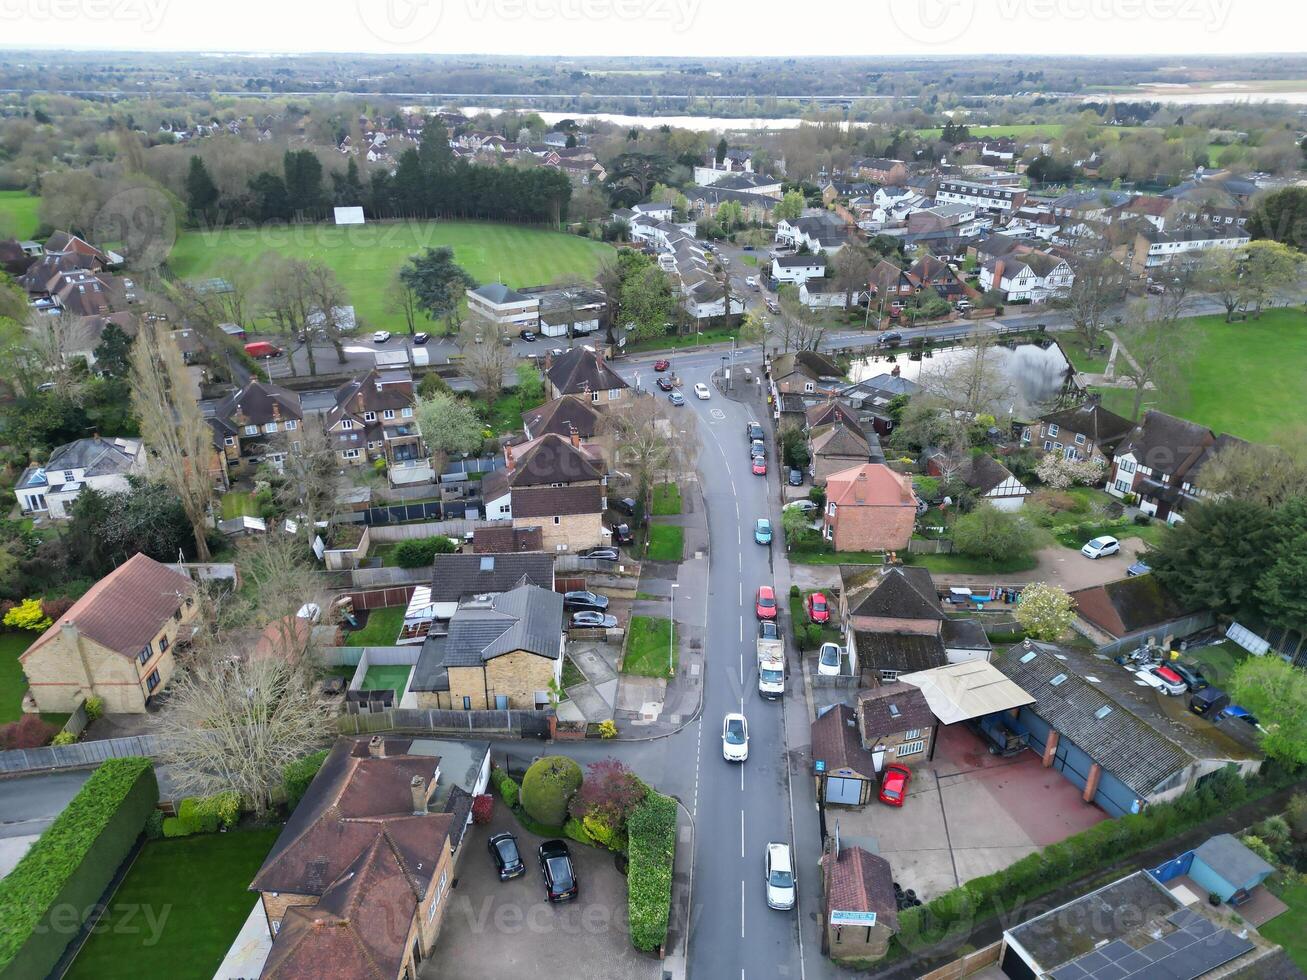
(700, 28)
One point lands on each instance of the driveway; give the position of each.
(968, 814)
(1060, 566)
(507, 931)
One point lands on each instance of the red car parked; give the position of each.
(766, 603)
(894, 784)
(662, 365)
(818, 609)
(759, 466)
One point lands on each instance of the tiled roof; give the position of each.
(1128, 605)
(557, 501)
(582, 370)
(838, 440)
(499, 294)
(1166, 443)
(984, 473)
(894, 592)
(125, 609)
(551, 459)
(835, 741)
(965, 634)
(903, 652)
(869, 485)
(258, 403)
(505, 540)
(859, 881)
(892, 709)
(455, 577)
(1103, 428)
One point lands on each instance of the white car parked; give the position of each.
(828, 660)
(701, 391)
(805, 506)
(1146, 676)
(782, 883)
(381, 336)
(1101, 547)
(735, 738)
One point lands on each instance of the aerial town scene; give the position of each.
(653, 489)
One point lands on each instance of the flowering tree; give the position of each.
(1044, 611)
(1058, 472)
(607, 797)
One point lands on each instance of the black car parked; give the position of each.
(1193, 677)
(585, 600)
(795, 477)
(753, 430)
(560, 877)
(505, 855)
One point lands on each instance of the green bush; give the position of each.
(509, 791)
(63, 738)
(297, 775)
(175, 827)
(196, 817)
(72, 863)
(422, 552)
(652, 852)
(94, 708)
(154, 825)
(575, 829)
(547, 788)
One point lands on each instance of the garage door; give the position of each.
(841, 790)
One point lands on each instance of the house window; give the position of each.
(292, 424)
(809, 387)
(229, 441)
(388, 414)
(152, 681)
(144, 655)
(270, 427)
(406, 413)
(911, 734)
(440, 891)
(1080, 438)
(614, 394)
(347, 423)
(251, 430)
(467, 703)
(351, 454)
(295, 445)
(69, 476)
(557, 521)
(889, 676)
(594, 396)
(910, 748)
(369, 416)
(1123, 486)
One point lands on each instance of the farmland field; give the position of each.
(366, 257)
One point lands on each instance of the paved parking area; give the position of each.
(968, 814)
(506, 930)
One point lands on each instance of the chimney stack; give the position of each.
(418, 786)
(576, 437)
(377, 747)
(509, 462)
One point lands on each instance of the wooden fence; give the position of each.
(456, 528)
(79, 755)
(966, 965)
(365, 578)
(395, 595)
(518, 724)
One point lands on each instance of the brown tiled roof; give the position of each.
(835, 741)
(551, 459)
(583, 370)
(1127, 605)
(830, 411)
(1103, 428)
(871, 484)
(896, 592)
(257, 404)
(983, 473)
(859, 881)
(838, 440)
(564, 415)
(125, 609)
(879, 705)
(557, 501)
(1166, 443)
(499, 540)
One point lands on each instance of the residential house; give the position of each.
(827, 294)
(504, 307)
(1154, 250)
(875, 395)
(1154, 462)
(859, 908)
(359, 879)
(834, 447)
(570, 311)
(564, 416)
(1087, 431)
(259, 422)
(14, 259)
(372, 418)
(116, 642)
(869, 508)
(704, 202)
(1131, 611)
(736, 161)
(985, 196)
(583, 371)
(890, 599)
(1028, 276)
(844, 771)
(51, 488)
(879, 170)
(804, 371)
(507, 540)
(750, 183)
(844, 190)
(821, 231)
(500, 652)
(932, 273)
(655, 210)
(992, 482)
(798, 269)
(896, 718)
(455, 578)
(1157, 211)
(889, 282)
(1075, 207)
(960, 220)
(557, 484)
(582, 172)
(83, 335)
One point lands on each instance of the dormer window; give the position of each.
(370, 416)
(251, 430)
(347, 423)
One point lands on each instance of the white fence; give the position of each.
(429, 529)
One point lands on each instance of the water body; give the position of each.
(701, 124)
(1034, 375)
(1202, 97)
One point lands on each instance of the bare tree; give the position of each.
(1097, 285)
(280, 579)
(1154, 349)
(285, 297)
(852, 272)
(311, 476)
(1267, 475)
(234, 723)
(757, 329)
(402, 300)
(178, 439)
(328, 298)
(486, 356)
(650, 441)
(972, 382)
(799, 328)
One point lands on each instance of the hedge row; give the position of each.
(204, 815)
(950, 916)
(507, 786)
(296, 776)
(47, 897)
(651, 830)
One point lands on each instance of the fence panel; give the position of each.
(528, 724)
(78, 755)
(453, 528)
(364, 578)
(397, 595)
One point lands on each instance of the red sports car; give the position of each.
(894, 784)
(759, 466)
(766, 604)
(818, 609)
(663, 384)
(662, 365)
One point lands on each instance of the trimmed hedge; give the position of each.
(509, 791)
(548, 787)
(204, 815)
(651, 832)
(950, 916)
(420, 552)
(296, 776)
(47, 896)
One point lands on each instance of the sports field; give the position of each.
(18, 214)
(366, 257)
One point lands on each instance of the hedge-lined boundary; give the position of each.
(47, 897)
(950, 916)
(651, 832)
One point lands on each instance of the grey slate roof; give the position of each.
(965, 634)
(1103, 428)
(583, 370)
(1232, 860)
(1121, 742)
(455, 577)
(527, 618)
(499, 294)
(900, 592)
(903, 652)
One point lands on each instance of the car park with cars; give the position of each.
(381, 336)
(505, 855)
(1192, 676)
(1172, 682)
(421, 338)
(1209, 702)
(530, 336)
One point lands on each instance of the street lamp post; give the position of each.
(671, 633)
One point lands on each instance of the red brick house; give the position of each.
(869, 508)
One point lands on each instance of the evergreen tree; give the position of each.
(303, 177)
(201, 191)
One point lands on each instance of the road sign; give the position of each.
(819, 765)
(838, 918)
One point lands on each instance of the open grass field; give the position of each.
(1289, 929)
(366, 258)
(666, 499)
(18, 214)
(994, 132)
(380, 630)
(666, 542)
(1243, 378)
(196, 889)
(649, 646)
(386, 677)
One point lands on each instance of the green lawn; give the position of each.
(1217, 663)
(666, 542)
(195, 891)
(386, 677)
(13, 682)
(666, 499)
(365, 258)
(1081, 359)
(237, 504)
(748, 260)
(1243, 378)
(504, 414)
(18, 214)
(382, 627)
(1075, 538)
(1289, 929)
(719, 335)
(648, 646)
(966, 565)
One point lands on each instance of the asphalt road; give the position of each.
(29, 804)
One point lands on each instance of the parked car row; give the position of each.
(556, 868)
